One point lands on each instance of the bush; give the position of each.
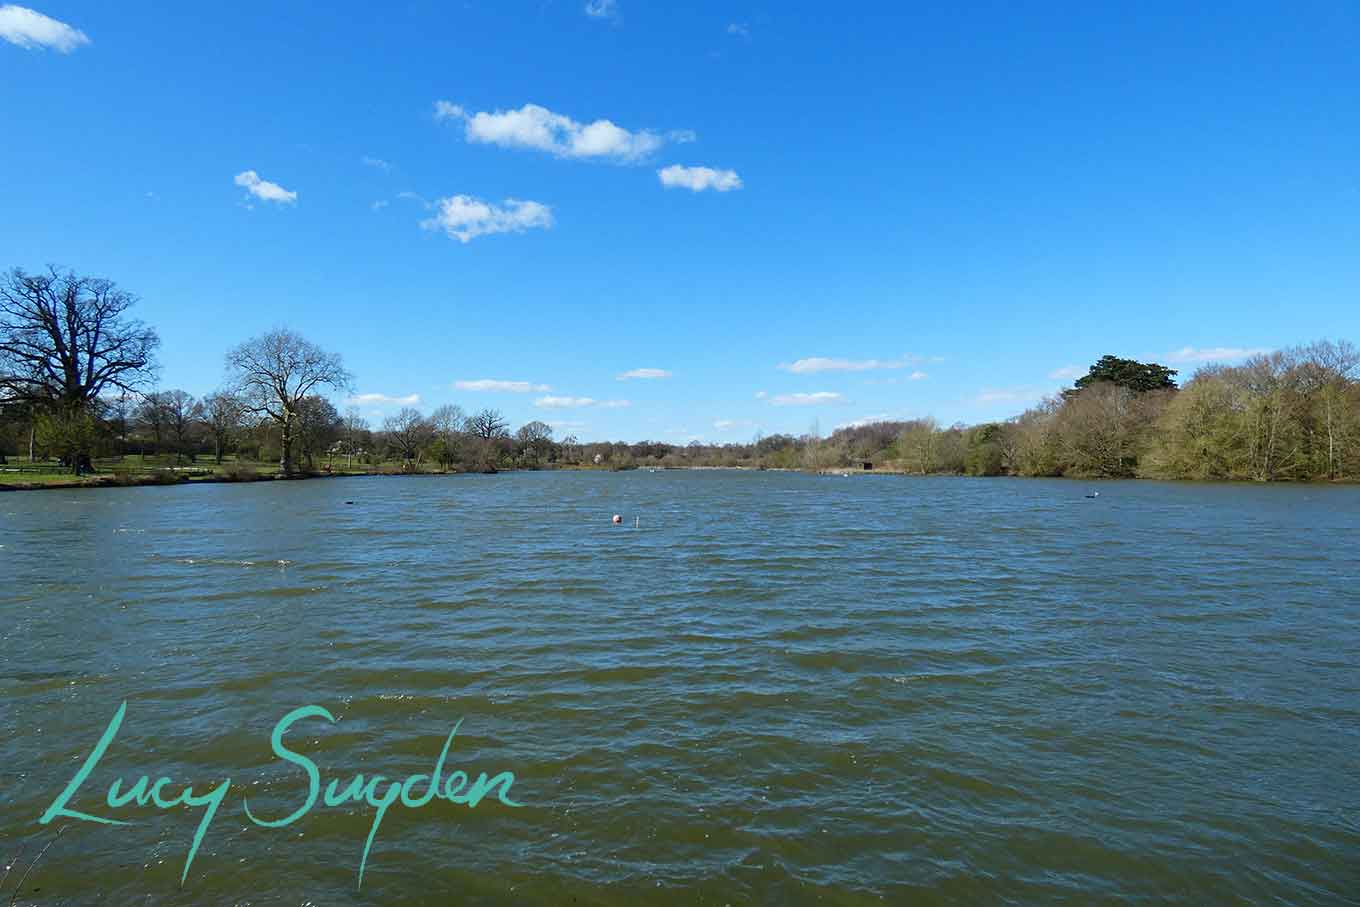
(238, 472)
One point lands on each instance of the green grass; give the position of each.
(137, 469)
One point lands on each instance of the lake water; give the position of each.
(778, 689)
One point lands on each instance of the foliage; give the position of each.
(1290, 415)
(71, 433)
(1139, 377)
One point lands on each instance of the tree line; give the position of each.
(1289, 415)
(78, 379)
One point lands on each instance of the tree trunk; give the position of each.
(286, 443)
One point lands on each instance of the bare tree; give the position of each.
(488, 424)
(354, 429)
(448, 421)
(182, 415)
(152, 419)
(408, 432)
(318, 427)
(118, 413)
(65, 339)
(224, 413)
(1098, 430)
(275, 371)
(448, 424)
(1334, 365)
(571, 448)
(919, 444)
(535, 438)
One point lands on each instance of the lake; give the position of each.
(773, 689)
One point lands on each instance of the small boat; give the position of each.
(1094, 494)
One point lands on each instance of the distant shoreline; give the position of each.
(169, 479)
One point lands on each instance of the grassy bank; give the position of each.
(21, 474)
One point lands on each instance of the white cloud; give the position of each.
(564, 402)
(697, 179)
(761, 395)
(511, 387)
(447, 110)
(383, 399)
(740, 29)
(602, 9)
(578, 402)
(1008, 395)
(817, 399)
(464, 218)
(682, 136)
(733, 424)
(32, 30)
(539, 129)
(379, 204)
(644, 373)
(815, 364)
(376, 163)
(1066, 373)
(917, 376)
(1188, 354)
(264, 189)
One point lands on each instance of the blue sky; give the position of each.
(902, 211)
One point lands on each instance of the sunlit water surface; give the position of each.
(776, 689)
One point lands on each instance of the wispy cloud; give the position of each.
(536, 128)
(464, 218)
(644, 373)
(263, 189)
(1187, 355)
(698, 179)
(578, 403)
(383, 399)
(761, 395)
(733, 424)
(1008, 395)
(820, 398)
(376, 163)
(509, 387)
(815, 364)
(917, 376)
(1066, 373)
(32, 30)
(379, 204)
(740, 29)
(602, 9)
